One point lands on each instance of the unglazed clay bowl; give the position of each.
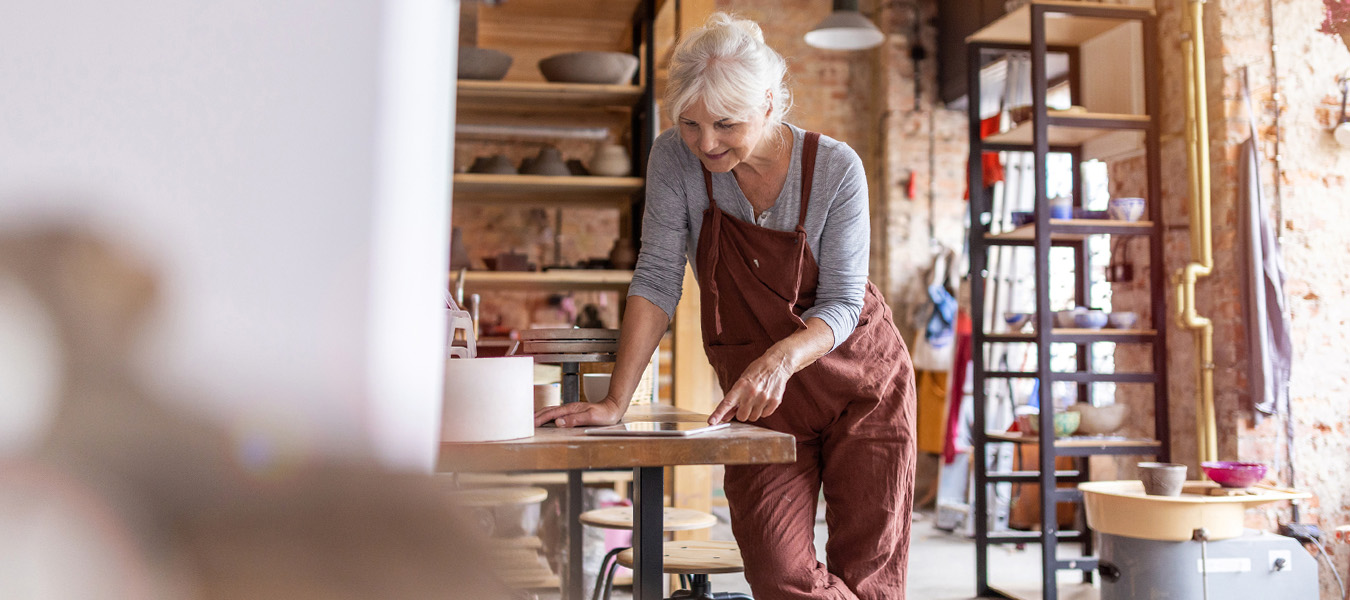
(1100, 420)
(589, 67)
(483, 63)
(1233, 474)
(1122, 320)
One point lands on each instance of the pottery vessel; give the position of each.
(595, 386)
(1162, 479)
(1126, 209)
(1100, 420)
(623, 255)
(590, 67)
(1090, 319)
(548, 162)
(1233, 474)
(497, 164)
(1066, 423)
(483, 63)
(1122, 320)
(611, 160)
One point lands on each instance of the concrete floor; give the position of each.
(941, 566)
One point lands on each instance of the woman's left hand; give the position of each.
(758, 392)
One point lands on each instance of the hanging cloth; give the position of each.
(1270, 350)
(990, 165)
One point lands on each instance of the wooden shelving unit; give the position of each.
(1117, 121)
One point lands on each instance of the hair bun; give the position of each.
(746, 26)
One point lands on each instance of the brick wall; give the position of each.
(1313, 190)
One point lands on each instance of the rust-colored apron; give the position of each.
(852, 412)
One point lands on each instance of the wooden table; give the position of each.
(570, 449)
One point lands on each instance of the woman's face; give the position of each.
(721, 143)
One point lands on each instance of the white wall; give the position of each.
(285, 164)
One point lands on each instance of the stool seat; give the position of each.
(690, 557)
(672, 519)
(506, 496)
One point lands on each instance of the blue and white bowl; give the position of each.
(1122, 320)
(1126, 209)
(1017, 321)
(1091, 319)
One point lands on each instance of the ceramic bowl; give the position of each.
(589, 67)
(1162, 479)
(1022, 217)
(1122, 320)
(595, 386)
(1126, 209)
(1090, 319)
(1065, 318)
(1017, 321)
(1233, 474)
(483, 63)
(1065, 424)
(1099, 420)
(548, 162)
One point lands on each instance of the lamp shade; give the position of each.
(845, 30)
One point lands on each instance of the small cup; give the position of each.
(1061, 207)
(546, 395)
(1162, 479)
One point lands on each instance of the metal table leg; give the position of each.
(649, 500)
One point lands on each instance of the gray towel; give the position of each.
(1270, 350)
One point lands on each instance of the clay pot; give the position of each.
(497, 164)
(548, 162)
(1098, 420)
(589, 67)
(611, 160)
(483, 63)
(623, 256)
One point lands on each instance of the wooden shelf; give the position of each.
(1077, 129)
(1064, 30)
(1083, 445)
(1077, 335)
(1074, 230)
(545, 190)
(542, 95)
(548, 281)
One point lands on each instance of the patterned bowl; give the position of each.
(1233, 474)
(1125, 209)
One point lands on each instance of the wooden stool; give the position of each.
(515, 560)
(621, 517)
(697, 559)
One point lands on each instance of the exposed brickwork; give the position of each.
(1314, 188)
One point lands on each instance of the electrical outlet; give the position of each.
(1303, 532)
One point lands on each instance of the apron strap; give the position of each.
(715, 253)
(809, 146)
(707, 184)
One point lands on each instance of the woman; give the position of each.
(775, 222)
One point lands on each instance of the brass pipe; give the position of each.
(1202, 251)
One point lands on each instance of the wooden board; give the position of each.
(1028, 232)
(1075, 442)
(554, 448)
(471, 94)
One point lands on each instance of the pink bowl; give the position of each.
(1232, 474)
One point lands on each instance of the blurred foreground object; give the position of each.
(120, 497)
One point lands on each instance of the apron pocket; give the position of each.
(730, 360)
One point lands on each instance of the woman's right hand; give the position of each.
(581, 414)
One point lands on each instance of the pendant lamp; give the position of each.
(845, 29)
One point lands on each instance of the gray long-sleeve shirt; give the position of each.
(837, 227)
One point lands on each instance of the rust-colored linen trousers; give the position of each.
(852, 413)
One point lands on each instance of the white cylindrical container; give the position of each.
(488, 399)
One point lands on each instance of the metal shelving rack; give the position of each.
(1028, 30)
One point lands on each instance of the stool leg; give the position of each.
(609, 576)
(613, 556)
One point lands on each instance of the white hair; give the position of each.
(727, 65)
